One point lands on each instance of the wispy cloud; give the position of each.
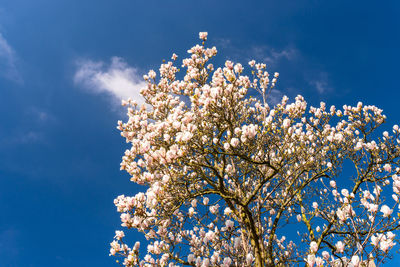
(34, 132)
(8, 61)
(23, 138)
(321, 83)
(274, 97)
(40, 115)
(30, 137)
(117, 78)
(321, 86)
(223, 43)
(273, 56)
(288, 60)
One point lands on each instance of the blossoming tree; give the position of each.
(230, 179)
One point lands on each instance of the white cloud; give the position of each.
(22, 138)
(223, 43)
(321, 83)
(321, 86)
(290, 58)
(8, 60)
(273, 56)
(118, 78)
(274, 97)
(30, 137)
(39, 115)
(289, 54)
(5, 49)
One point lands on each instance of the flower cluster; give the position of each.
(227, 175)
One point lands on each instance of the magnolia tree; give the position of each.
(232, 181)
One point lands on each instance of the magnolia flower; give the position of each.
(339, 247)
(229, 224)
(226, 146)
(286, 123)
(355, 260)
(310, 260)
(386, 211)
(234, 142)
(203, 35)
(205, 263)
(227, 261)
(214, 209)
(373, 208)
(313, 247)
(325, 255)
(358, 146)
(387, 167)
(249, 258)
(227, 211)
(152, 74)
(345, 192)
(238, 68)
(119, 234)
(191, 212)
(385, 134)
(190, 258)
(319, 261)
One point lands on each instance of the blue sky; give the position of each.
(64, 65)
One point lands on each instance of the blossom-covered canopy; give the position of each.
(230, 179)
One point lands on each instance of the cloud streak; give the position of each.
(289, 59)
(8, 58)
(321, 83)
(273, 56)
(117, 78)
(321, 86)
